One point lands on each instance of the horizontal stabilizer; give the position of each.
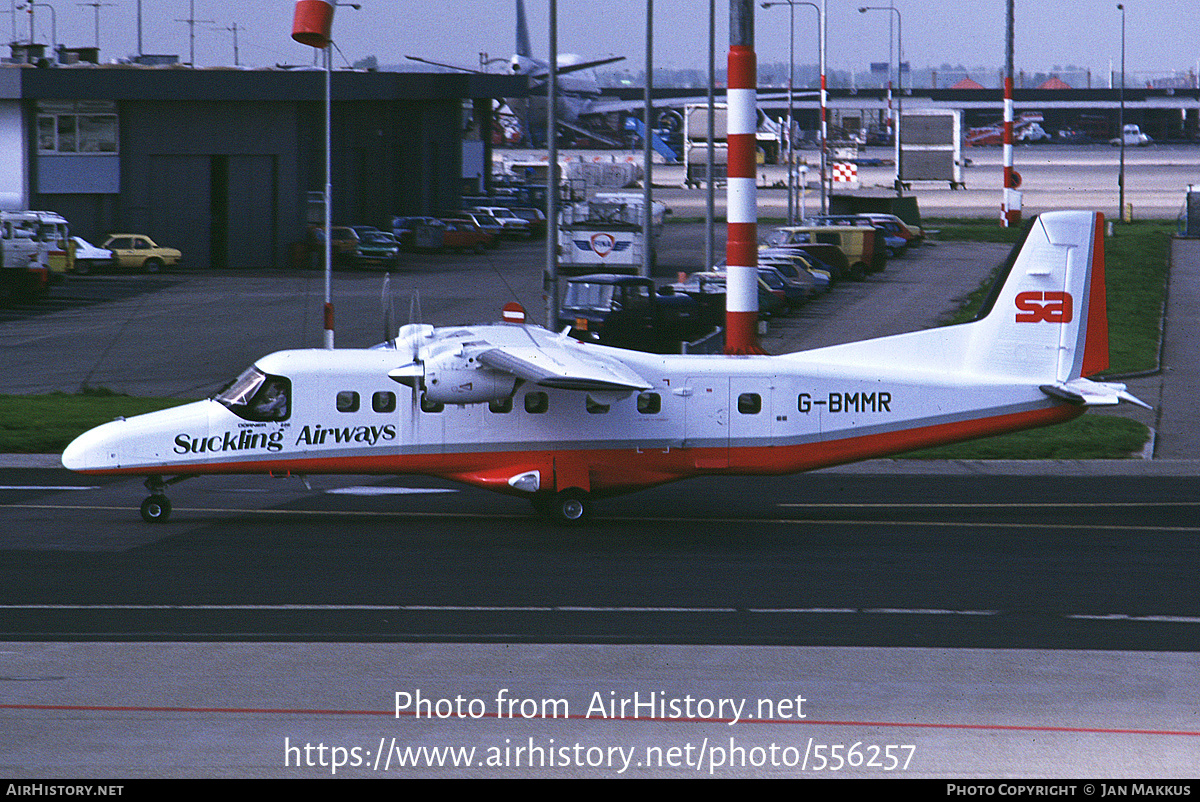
(1085, 392)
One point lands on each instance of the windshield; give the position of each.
(589, 296)
(257, 396)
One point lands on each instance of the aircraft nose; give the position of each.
(95, 449)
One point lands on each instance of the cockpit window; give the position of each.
(258, 396)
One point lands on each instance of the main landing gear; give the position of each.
(156, 508)
(569, 507)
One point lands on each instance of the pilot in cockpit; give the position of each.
(272, 403)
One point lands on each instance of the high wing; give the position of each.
(566, 69)
(447, 66)
(457, 362)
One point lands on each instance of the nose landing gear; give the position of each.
(156, 509)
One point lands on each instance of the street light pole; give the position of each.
(1121, 121)
(899, 89)
(791, 150)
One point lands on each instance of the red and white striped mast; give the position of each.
(741, 245)
(1011, 204)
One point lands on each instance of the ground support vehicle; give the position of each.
(34, 247)
(605, 233)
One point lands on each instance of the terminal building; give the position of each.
(223, 163)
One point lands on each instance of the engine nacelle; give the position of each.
(468, 386)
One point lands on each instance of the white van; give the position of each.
(33, 245)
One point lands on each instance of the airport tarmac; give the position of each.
(255, 709)
(1053, 177)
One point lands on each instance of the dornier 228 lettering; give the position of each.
(1045, 307)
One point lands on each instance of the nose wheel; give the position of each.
(156, 509)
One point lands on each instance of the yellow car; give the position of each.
(139, 252)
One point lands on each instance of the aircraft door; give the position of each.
(706, 419)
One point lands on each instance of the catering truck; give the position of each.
(604, 234)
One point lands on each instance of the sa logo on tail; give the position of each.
(1045, 307)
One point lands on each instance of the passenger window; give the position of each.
(649, 403)
(431, 406)
(347, 401)
(383, 402)
(500, 405)
(536, 403)
(595, 408)
(749, 403)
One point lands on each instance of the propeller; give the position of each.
(389, 311)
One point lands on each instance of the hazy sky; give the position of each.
(1161, 35)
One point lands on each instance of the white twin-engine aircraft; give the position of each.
(521, 410)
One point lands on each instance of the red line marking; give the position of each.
(643, 719)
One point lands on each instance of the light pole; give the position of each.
(1121, 121)
(53, 25)
(791, 149)
(899, 90)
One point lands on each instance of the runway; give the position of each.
(993, 623)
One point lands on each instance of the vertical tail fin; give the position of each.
(1044, 324)
(523, 48)
(1047, 317)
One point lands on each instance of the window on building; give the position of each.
(85, 126)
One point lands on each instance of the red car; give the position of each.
(462, 235)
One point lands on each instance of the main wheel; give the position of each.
(156, 509)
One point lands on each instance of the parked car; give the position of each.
(913, 233)
(826, 257)
(139, 252)
(802, 267)
(511, 225)
(711, 283)
(535, 218)
(376, 248)
(863, 248)
(1133, 136)
(424, 233)
(485, 221)
(88, 257)
(465, 235)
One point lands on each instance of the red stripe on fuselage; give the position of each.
(621, 470)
